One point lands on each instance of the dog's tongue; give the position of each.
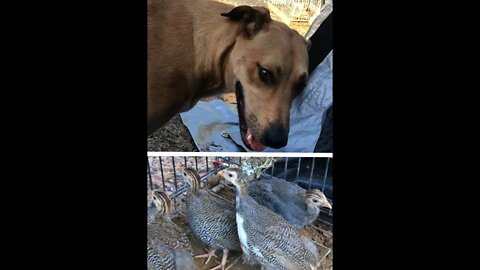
(254, 144)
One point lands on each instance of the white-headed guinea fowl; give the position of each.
(265, 236)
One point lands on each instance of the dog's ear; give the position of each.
(254, 18)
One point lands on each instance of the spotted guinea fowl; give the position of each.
(265, 236)
(212, 219)
(298, 206)
(168, 246)
(162, 257)
(152, 213)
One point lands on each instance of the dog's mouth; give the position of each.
(248, 139)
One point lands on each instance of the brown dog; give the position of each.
(203, 48)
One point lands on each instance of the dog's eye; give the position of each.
(265, 75)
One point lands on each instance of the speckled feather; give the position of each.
(152, 214)
(212, 220)
(168, 246)
(285, 199)
(278, 242)
(161, 257)
(265, 236)
(168, 233)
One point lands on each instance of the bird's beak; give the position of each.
(221, 173)
(327, 205)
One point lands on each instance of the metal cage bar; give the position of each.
(298, 166)
(161, 172)
(311, 173)
(228, 160)
(325, 175)
(149, 174)
(179, 191)
(325, 181)
(174, 173)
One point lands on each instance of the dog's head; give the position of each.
(268, 68)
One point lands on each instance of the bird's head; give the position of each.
(162, 202)
(315, 198)
(233, 176)
(192, 178)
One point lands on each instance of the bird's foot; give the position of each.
(208, 255)
(224, 261)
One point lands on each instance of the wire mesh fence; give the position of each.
(164, 173)
(295, 10)
(298, 14)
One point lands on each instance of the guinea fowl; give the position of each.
(212, 219)
(162, 257)
(265, 236)
(168, 246)
(298, 206)
(152, 213)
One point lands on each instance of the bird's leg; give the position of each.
(233, 263)
(224, 261)
(208, 255)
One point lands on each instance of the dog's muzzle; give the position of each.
(248, 138)
(276, 136)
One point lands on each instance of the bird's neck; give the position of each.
(195, 186)
(242, 192)
(313, 210)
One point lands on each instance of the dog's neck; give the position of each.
(212, 50)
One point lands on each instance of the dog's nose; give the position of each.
(277, 136)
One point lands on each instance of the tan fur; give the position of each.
(194, 52)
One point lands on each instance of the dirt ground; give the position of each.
(174, 135)
(320, 232)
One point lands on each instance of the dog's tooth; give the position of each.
(249, 137)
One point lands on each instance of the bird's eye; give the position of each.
(315, 201)
(265, 75)
(155, 198)
(184, 174)
(230, 175)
